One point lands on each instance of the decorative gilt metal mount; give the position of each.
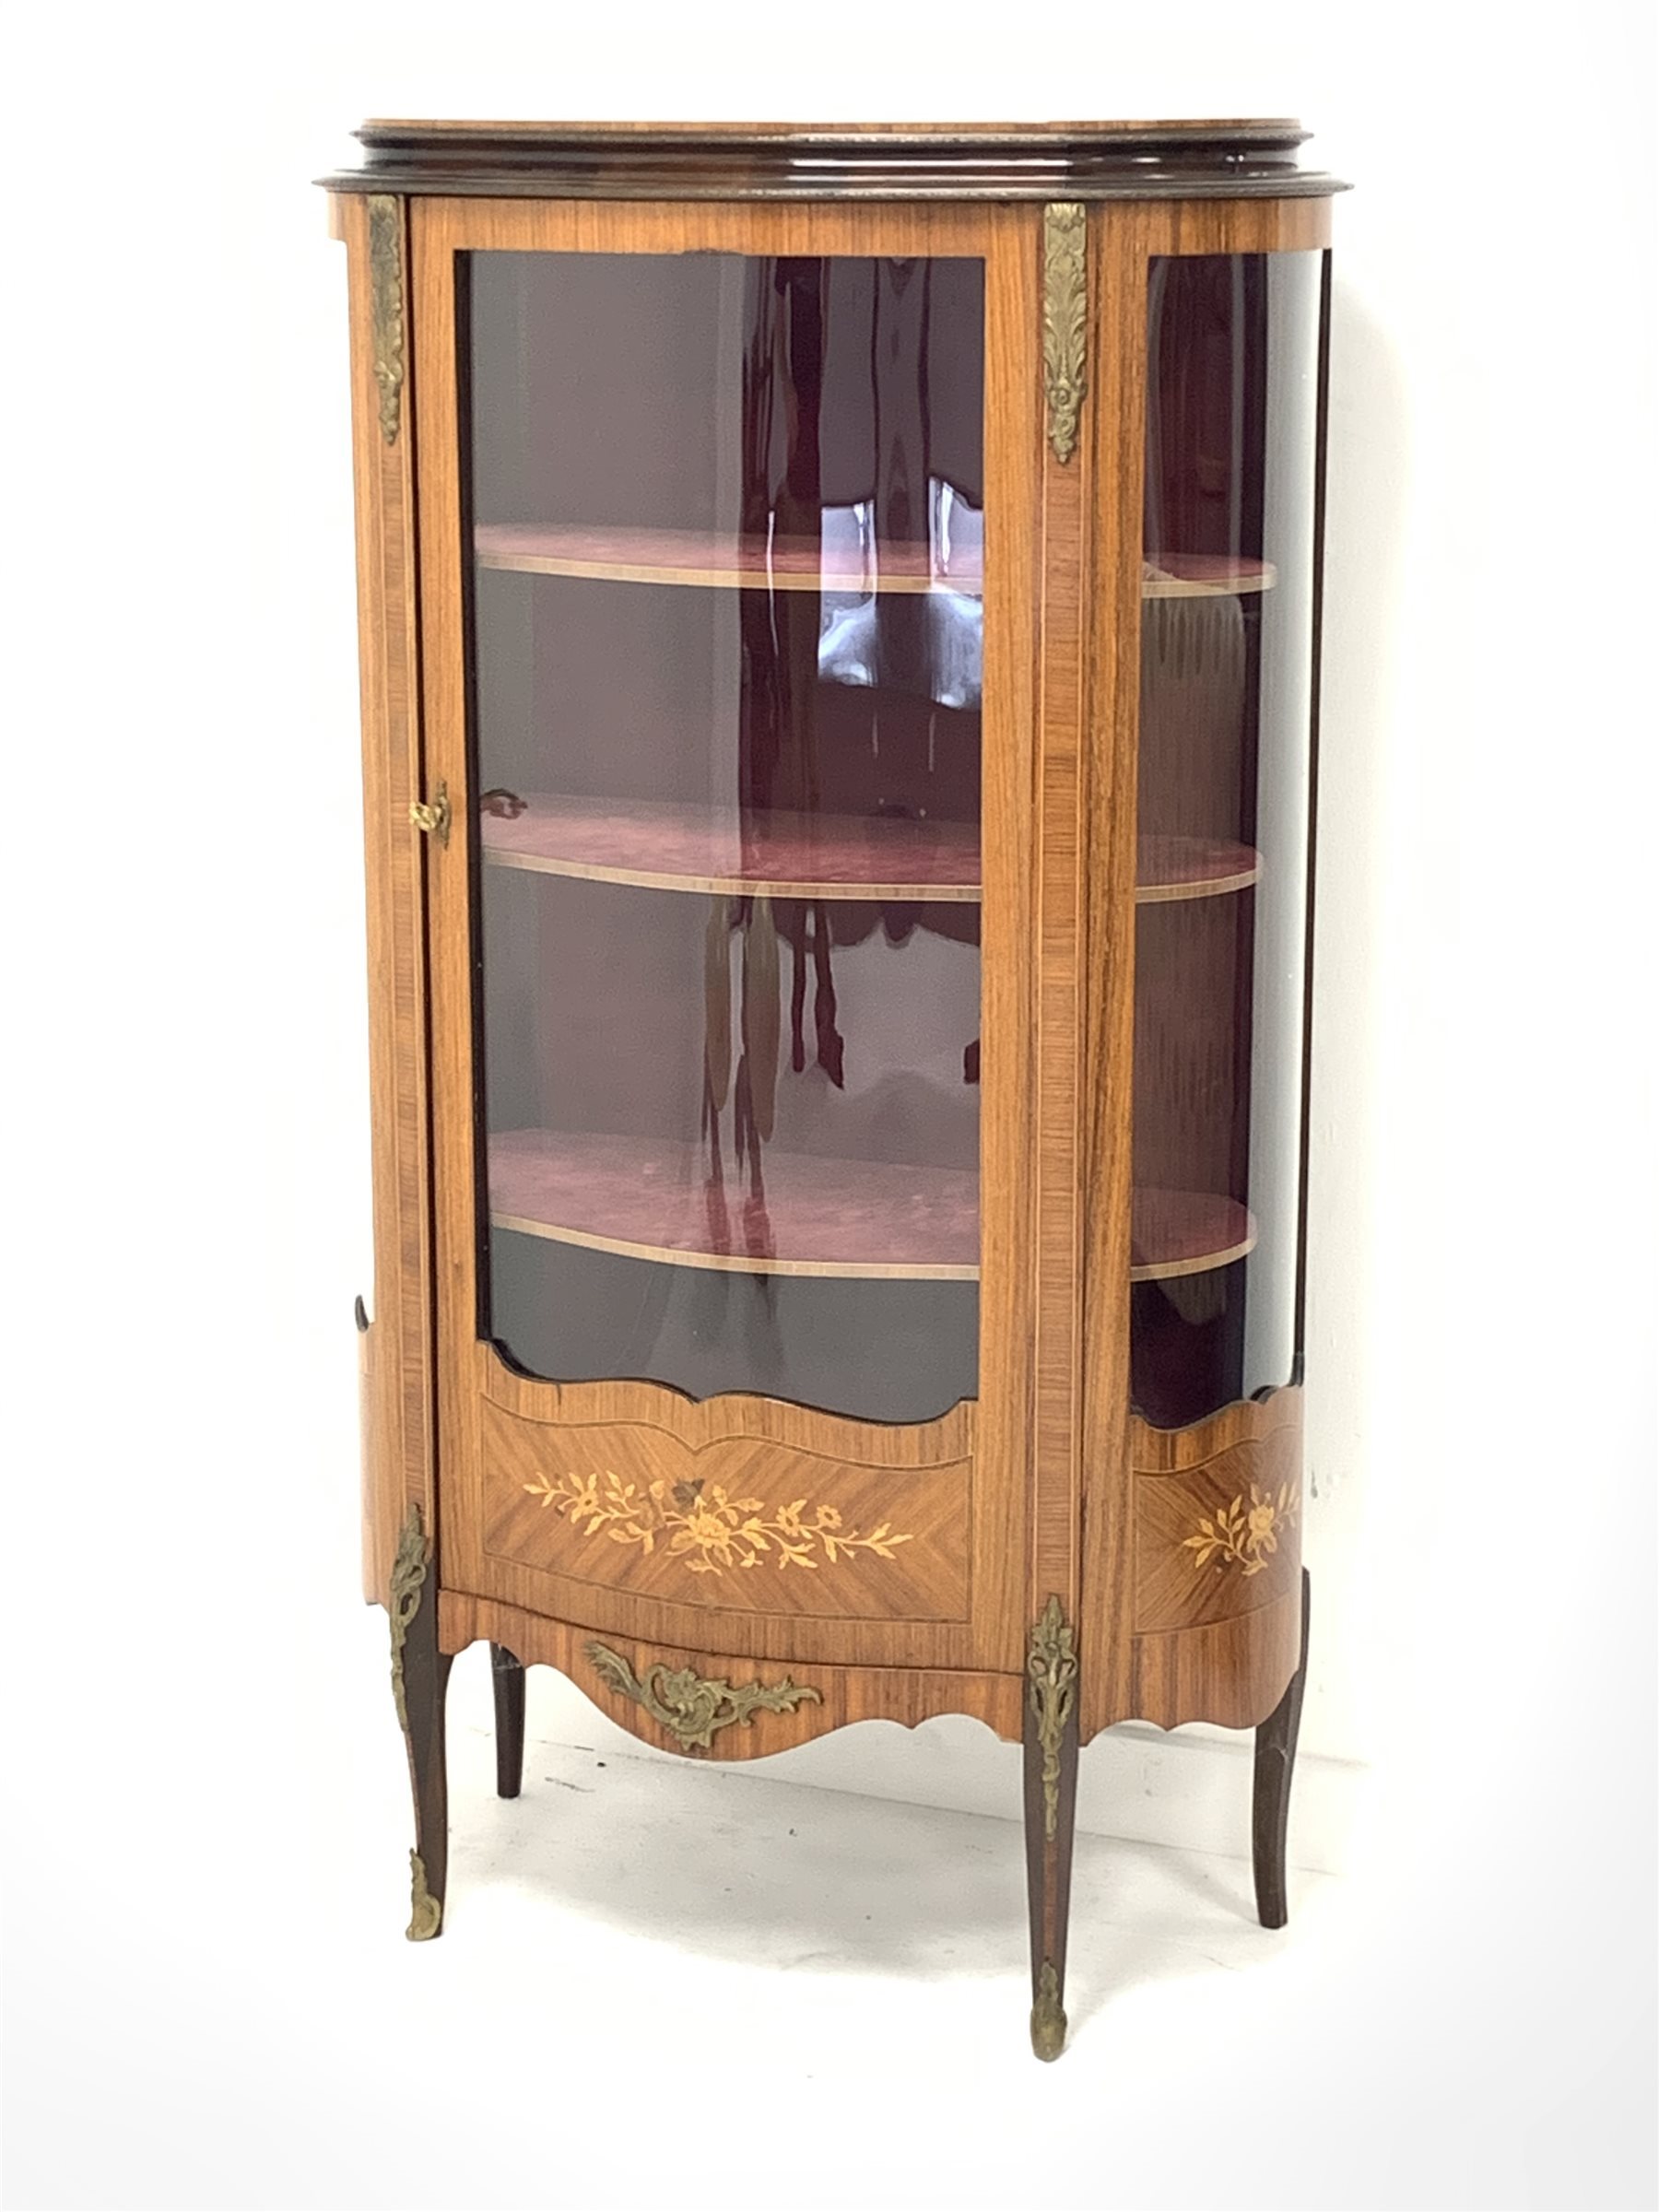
(403, 1603)
(433, 818)
(1047, 2015)
(1052, 1669)
(386, 307)
(409, 1569)
(1065, 321)
(691, 1706)
(425, 1912)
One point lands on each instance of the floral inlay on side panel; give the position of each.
(705, 1527)
(1246, 1537)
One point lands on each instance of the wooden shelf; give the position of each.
(652, 1199)
(1192, 868)
(658, 846)
(754, 855)
(1187, 1233)
(695, 556)
(649, 1198)
(800, 564)
(1203, 576)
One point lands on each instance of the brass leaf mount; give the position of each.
(1051, 1672)
(386, 307)
(1047, 2015)
(1065, 321)
(694, 1707)
(402, 1602)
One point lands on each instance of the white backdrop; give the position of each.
(196, 1745)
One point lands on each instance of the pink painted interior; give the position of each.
(1164, 862)
(699, 552)
(1169, 1229)
(654, 838)
(653, 1191)
(807, 1209)
(1221, 571)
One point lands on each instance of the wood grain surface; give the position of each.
(1211, 1643)
(1276, 126)
(1106, 953)
(829, 163)
(1065, 493)
(394, 1346)
(907, 1695)
(1217, 1513)
(710, 1506)
(1232, 1673)
(923, 1611)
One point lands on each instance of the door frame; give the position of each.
(471, 1373)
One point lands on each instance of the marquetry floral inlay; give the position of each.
(1245, 1536)
(703, 1526)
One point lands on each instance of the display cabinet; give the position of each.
(838, 614)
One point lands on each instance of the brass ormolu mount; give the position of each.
(693, 1706)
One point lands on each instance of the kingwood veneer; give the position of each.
(839, 616)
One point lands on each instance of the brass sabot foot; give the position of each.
(425, 1912)
(1048, 2015)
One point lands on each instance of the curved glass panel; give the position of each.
(1226, 649)
(726, 521)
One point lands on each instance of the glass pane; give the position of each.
(1225, 695)
(726, 514)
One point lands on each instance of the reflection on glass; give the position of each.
(728, 520)
(1226, 662)
(849, 642)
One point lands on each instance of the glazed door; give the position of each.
(723, 574)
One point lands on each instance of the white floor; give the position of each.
(665, 1984)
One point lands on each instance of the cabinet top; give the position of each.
(832, 160)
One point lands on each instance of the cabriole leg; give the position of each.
(507, 1679)
(419, 1679)
(1275, 1763)
(1050, 1794)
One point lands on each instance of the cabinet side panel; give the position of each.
(1175, 1630)
(395, 1349)
(1218, 1516)
(1217, 1551)
(1231, 1673)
